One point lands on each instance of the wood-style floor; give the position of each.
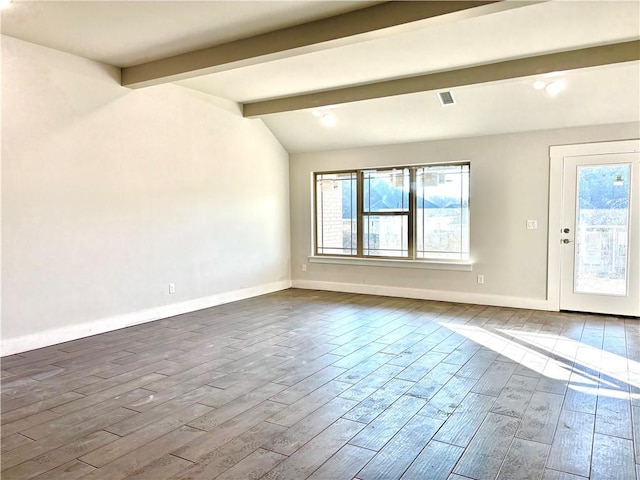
(304, 384)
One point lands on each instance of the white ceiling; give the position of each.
(594, 96)
(535, 29)
(126, 33)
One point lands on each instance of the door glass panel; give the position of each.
(602, 229)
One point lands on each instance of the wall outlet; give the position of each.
(480, 278)
(532, 224)
(304, 267)
(172, 288)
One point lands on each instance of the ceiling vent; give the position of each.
(446, 98)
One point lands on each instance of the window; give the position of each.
(336, 214)
(406, 212)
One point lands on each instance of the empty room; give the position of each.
(340, 240)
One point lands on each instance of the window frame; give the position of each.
(315, 215)
(410, 213)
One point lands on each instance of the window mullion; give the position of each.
(412, 217)
(318, 210)
(359, 214)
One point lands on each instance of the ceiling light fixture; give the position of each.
(328, 120)
(554, 88)
(5, 4)
(325, 115)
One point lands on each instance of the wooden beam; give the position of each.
(523, 67)
(357, 26)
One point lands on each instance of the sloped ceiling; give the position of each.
(130, 34)
(126, 33)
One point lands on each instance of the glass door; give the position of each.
(600, 252)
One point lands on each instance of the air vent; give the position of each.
(446, 98)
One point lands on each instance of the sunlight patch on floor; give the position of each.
(585, 368)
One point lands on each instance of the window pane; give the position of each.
(442, 213)
(386, 236)
(386, 190)
(602, 229)
(336, 213)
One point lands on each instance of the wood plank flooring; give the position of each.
(321, 385)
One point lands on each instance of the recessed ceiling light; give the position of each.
(555, 88)
(328, 120)
(320, 112)
(5, 4)
(552, 88)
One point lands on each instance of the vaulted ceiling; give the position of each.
(375, 68)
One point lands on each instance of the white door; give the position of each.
(600, 230)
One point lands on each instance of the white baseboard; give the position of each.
(422, 294)
(11, 346)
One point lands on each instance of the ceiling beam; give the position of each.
(360, 25)
(505, 70)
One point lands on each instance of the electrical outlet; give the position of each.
(172, 288)
(480, 278)
(532, 224)
(304, 267)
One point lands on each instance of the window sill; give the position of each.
(457, 265)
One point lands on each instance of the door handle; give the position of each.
(566, 240)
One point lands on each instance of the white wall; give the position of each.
(109, 194)
(509, 184)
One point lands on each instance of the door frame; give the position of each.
(557, 153)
